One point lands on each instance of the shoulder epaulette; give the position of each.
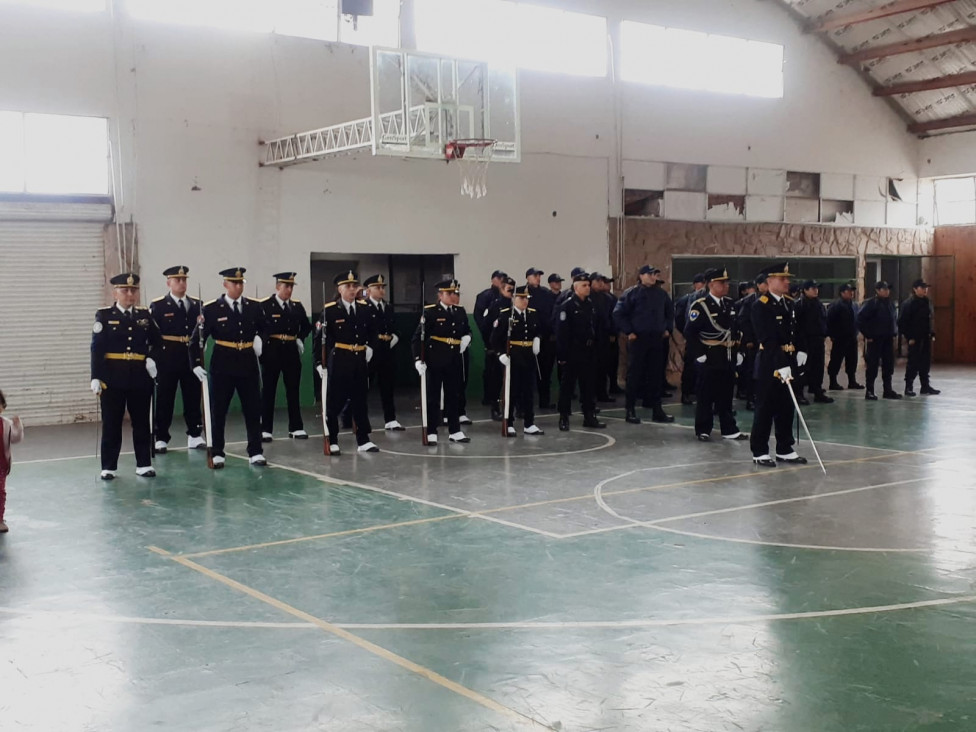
(504, 310)
(161, 297)
(105, 309)
(428, 307)
(140, 307)
(330, 304)
(788, 297)
(695, 302)
(253, 299)
(361, 302)
(531, 310)
(211, 302)
(297, 302)
(191, 298)
(763, 299)
(265, 299)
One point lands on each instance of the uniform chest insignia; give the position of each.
(693, 315)
(143, 323)
(221, 320)
(168, 315)
(441, 320)
(342, 320)
(276, 315)
(779, 317)
(113, 322)
(97, 327)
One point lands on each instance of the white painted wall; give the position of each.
(192, 103)
(947, 155)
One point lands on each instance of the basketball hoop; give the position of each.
(473, 157)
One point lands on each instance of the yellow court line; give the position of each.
(332, 535)
(366, 645)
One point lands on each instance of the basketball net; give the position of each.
(473, 158)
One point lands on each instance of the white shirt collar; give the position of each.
(776, 297)
(122, 309)
(231, 302)
(281, 303)
(445, 306)
(347, 305)
(178, 300)
(716, 299)
(376, 302)
(516, 310)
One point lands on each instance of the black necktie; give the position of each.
(352, 309)
(128, 315)
(237, 308)
(182, 307)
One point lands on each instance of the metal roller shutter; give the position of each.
(52, 281)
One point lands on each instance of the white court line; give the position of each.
(784, 545)
(610, 442)
(509, 625)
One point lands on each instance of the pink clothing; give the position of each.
(11, 433)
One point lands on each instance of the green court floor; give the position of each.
(628, 579)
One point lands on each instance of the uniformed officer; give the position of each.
(543, 301)
(576, 334)
(916, 322)
(175, 314)
(689, 368)
(774, 325)
(382, 368)
(348, 337)
(482, 303)
(645, 314)
(555, 283)
(876, 321)
(811, 337)
(238, 327)
(288, 327)
(515, 338)
(748, 346)
(712, 327)
(493, 369)
(842, 330)
(442, 336)
(125, 340)
(604, 302)
(455, 300)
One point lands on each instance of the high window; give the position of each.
(955, 201)
(513, 34)
(53, 154)
(653, 54)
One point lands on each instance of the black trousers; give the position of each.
(689, 369)
(919, 361)
(581, 367)
(281, 361)
(716, 387)
(843, 350)
(747, 381)
(492, 378)
(465, 375)
(644, 369)
(547, 358)
(382, 371)
(114, 404)
(190, 387)
(524, 378)
(773, 406)
(348, 383)
(814, 370)
(603, 381)
(879, 350)
(447, 376)
(248, 388)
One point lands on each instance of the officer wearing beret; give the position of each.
(842, 330)
(916, 322)
(876, 321)
(689, 373)
(543, 301)
(348, 337)
(175, 314)
(773, 322)
(125, 340)
(712, 327)
(288, 327)
(441, 337)
(238, 328)
(645, 314)
(576, 334)
(382, 369)
(811, 336)
(515, 338)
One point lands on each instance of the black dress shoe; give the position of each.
(594, 423)
(496, 414)
(564, 424)
(764, 462)
(870, 396)
(667, 394)
(930, 390)
(632, 417)
(909, 391)
(834, 386)
(687, 400)
(704, 438)
(803, 401)
(854, 385)
(793, 461)
(738, 438)
(822, 398)
(661, 416)
(891, 394)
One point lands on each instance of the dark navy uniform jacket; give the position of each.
(482, 304)
(442, 327)
(774, 327)
(644, 311)
(576, 329)
(543, 302)
(743, 318)
(712, 323)
(291, 322)
(915, 318)
(233, 335)
(348, 329)
(180, 351)
(811, 321)
(120, 345)
(384, 324)
(840, 320)
(525, 327)
(876, 319)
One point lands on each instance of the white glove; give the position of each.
(394, 339)
(96, 387)
(421, 367)
(701, 359)
(801, 358)
(465, 342)
(321, 369)
(739, 358)
(301, 347)
(536, 345)
(151, 368)
(505, 360)
(784, 374)
(200, 373)
(258, 346)
(369, 354)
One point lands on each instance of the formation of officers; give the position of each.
(767, 343)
